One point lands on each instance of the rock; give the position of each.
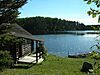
(87, 67)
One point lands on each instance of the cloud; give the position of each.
(86, 21)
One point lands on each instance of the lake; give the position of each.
(62, 44)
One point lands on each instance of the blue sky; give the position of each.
(75, 10)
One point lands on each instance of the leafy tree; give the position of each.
(9, 10)
(94, 12)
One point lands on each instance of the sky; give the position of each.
(74, 10)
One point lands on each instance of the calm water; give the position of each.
(62, 44)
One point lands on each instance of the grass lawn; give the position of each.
(52, 66)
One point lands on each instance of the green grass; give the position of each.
(52, 66)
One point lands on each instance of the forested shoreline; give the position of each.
(47, 25)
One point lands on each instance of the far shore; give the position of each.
(74, 32)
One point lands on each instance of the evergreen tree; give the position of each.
(8, 13)
(9, 10)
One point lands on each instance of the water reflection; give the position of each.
(90, 35)
(62, 44)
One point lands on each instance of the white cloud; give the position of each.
(86, 21)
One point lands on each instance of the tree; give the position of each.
(94, 12)
(9, 10)
(8, 13)
(47, 25)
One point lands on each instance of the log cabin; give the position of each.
(20, 50)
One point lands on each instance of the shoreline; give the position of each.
(69, 32)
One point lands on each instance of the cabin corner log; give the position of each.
(24, 48)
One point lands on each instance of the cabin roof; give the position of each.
(18, 31)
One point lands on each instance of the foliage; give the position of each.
(7, 38)
(8, 42)
(94, 55)
(44, 51)
(5, 28)
(45, 25)
(94, 12)
(92, 27)
(9, 10)
(5, 59)
(8, 13)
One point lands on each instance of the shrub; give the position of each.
(44, 51)
(94, 55)
(5, 60)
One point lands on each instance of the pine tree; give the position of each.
(9, 10)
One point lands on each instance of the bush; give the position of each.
(94, 55)
(5, 60)
(44, 51)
